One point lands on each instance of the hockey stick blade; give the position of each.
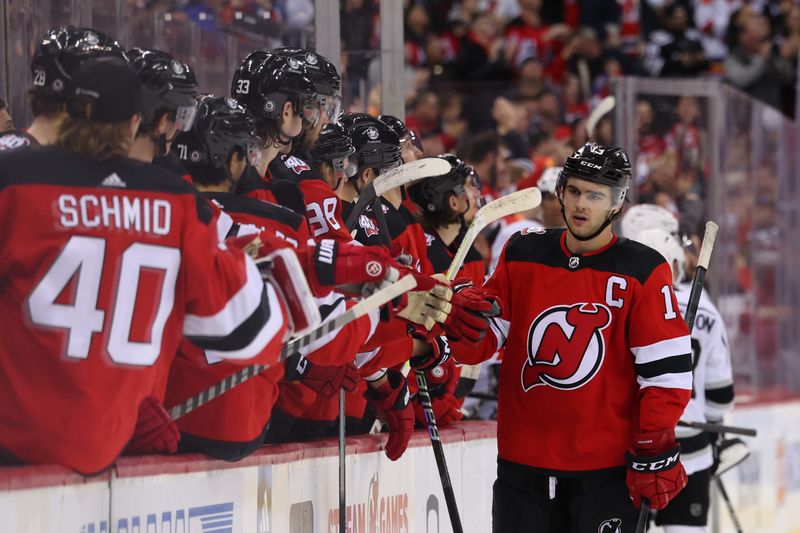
(603, 108)
(515, 202)
(403, 175)
(379, 298)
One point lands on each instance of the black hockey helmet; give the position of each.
(333, 143)
(221, 126)
(431, 193)
(397, 125)
(327, 83)
(377, 146)
(169, 85)
(350, 120)
(265, 81)
(60, 52)
(600, 164)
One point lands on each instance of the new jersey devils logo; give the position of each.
(566, 346)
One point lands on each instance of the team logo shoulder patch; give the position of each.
(298, 165)
(13, 141)
(367, 225)
(566, 347)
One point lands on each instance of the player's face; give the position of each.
(586, 205)
(473, 195)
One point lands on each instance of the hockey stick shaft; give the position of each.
(510, 204)
(728, 504)
(342, 475)
(438, 452)
(396, 177)
(703, 260)
(363, 307)
(717, 428)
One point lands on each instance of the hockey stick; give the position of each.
(495, 210)
(379, 298)
(604, 107)
(438, 452)
(728, 504)
(342, 476)
(391, 179)
(718, 428)
(706, 247)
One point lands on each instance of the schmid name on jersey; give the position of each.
(142, 215)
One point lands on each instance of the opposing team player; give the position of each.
(108, 268)
(55, 60)
(712, 394)
(168, 106)
(597, 364)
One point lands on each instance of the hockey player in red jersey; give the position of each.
(106, 271)
(597, 365)
(215, 151)
(168, 107)
(278, 90)
(55, 60)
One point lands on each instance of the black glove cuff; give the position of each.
(325, 261)
(654, 463)
(296, 366)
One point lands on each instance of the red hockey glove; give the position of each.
(323, 379)
(393, 399)
(155, 431)
(655, 471)
(471, 307)
(438, 355)
(446, 407)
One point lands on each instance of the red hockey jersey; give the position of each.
(105, 267)
(595, 350)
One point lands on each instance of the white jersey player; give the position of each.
(712, 394)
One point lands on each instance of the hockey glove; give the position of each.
(323, 379)
(471, 307)
(155, 431)
(446, 407)
(393, 399)
(655, 471)
(439, 353)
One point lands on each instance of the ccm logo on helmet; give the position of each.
(591, 165)
(656, 466)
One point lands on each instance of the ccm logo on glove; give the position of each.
(656, 466)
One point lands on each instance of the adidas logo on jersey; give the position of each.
(113, 181)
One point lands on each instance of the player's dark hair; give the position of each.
(444, 217)
(215, 176)
(42, 106)
(94, 140)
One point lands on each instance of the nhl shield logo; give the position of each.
(294, 64)
(311, 59)
(372, 133)
(91, 38)
(177, 67)
(566, 347)
(574, 261)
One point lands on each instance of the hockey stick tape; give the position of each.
(708, 244)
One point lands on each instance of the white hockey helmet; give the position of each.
(647, 216)
(548, 180)
(668, 246)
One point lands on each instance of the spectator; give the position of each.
(6, 122)
(530, 82)
(755, 65)
(507, 114)
(488, 156)
(480, 56)
(527, 36)
(677, 50)
(415, 34)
